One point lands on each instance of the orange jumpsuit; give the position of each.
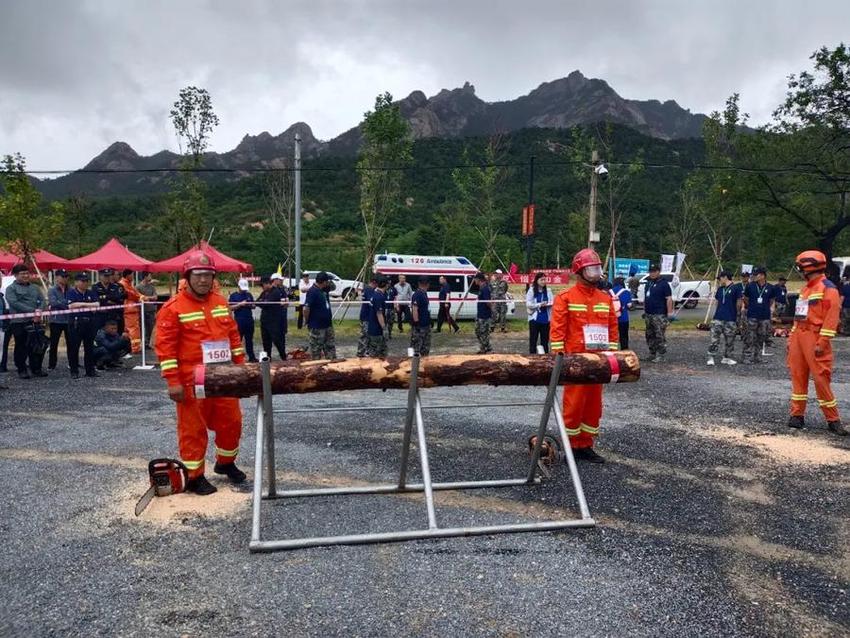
(583, 320)
(182, 325)
(815, 323)
(132, 314)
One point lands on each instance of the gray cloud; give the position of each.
(80, 75)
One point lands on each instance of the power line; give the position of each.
(796, 170)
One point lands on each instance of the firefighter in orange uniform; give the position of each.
(195, 327)
(810, 345)
(584, 320)
(131, 312)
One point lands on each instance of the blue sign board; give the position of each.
(624, 267)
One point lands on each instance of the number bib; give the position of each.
(595, 337)
(215, 352)
(801, 310)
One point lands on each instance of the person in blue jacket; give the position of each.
(622, 304)
(242, 304)
(728, 296)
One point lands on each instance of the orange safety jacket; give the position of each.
(576, 308)
(183, 324)
(822, 308)
(132, 295)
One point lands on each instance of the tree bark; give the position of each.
(394, 373)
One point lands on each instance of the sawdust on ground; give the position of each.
(796, 449)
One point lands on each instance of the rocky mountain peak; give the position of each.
(117, 156)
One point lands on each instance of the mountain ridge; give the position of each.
(573, 100)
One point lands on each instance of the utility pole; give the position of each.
(529, 239)
(592, 235)
(297, 207)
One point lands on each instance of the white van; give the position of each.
(458, 271)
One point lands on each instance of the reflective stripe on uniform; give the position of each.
(238, 351)
(578, 307)
(589, 428)
(613, 346)
(226, 453)
(167, 364)
(601, 307)
(193, 465)
(191, 316)
(572, 432)
(828, 404)
(799, 397)
(557, 344)
(219, 311)
(827, 333)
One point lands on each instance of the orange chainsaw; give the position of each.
(168, 476)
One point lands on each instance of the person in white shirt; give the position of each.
(404, 293)
(303, 286)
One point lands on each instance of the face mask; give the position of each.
(592, 272)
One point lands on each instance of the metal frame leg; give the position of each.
(258, 474)
(544, 417)
(571, 462)
(268, 418)
(412, 397)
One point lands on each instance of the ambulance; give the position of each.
(458, 271)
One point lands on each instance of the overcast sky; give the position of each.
(78, 75)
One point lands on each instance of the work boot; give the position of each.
(727, 361)
(796, 422)
(230, 471)
(836, 428)
(23, 374)
(75, 374)
(710, 361)
(39, 373)
(587, 454)
(200, 486)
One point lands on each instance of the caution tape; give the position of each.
(70, 311)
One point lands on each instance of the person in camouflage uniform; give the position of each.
(365, 310)
(728, 297)
(420, 327)
(658, 306)
(317, 314)
(758, 301)
(376, 340)
(499, 290)
(484, 314)
(743, 328)
(391, 310)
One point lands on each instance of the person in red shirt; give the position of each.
(584, 320)
(195, 327)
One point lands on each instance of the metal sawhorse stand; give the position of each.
(414, 409)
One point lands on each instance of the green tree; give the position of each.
(478, 187)
(810, 134)
(194, 119)
(26, 223)
(387, 146)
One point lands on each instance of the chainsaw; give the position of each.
(168, 476)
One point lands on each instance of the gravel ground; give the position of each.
(713, 518)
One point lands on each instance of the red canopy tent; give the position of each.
(111, 255)
(223, 263)
(43, 259)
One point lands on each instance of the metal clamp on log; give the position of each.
(412, 374)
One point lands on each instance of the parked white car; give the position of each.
(340, 289)
(688, 293)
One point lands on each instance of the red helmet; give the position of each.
(198, 260)
(584, 258)
(810, 261)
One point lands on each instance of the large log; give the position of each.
(394, 373)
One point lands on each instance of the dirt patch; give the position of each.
(797, 449)
(26, 454)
